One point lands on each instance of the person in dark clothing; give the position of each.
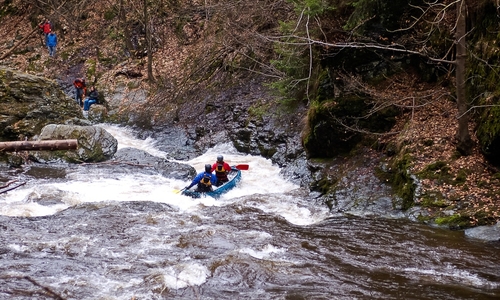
(52, 43)
(221, 169)
(91, 99)
(205, 180)
(80, 88)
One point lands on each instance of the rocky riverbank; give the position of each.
(348, 185)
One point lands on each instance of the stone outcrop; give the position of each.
(29, 102)
(94, 144)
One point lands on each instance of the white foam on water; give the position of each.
(126, 139)
(263, 253)
(184, 275)
(453, 275)
(287, 206)
(262, 178)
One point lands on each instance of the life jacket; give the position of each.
(221, 172)
(206, 180)
(220, 167)
(205, 185)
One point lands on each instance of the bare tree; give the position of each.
(464, 144)
(122, 23)
(422, 27)
(149, 42)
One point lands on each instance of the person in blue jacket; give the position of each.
(205, 180)
(52, 43)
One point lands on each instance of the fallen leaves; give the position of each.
(429, 139)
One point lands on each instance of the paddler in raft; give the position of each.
(221, 169)
(205, 180)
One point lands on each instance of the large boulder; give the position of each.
(97, 113)
(29, 102)
(94, 144)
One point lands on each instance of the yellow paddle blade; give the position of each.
(178, 191)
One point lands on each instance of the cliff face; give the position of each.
(29, 102)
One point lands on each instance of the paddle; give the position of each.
(178, 191)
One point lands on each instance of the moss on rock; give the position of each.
(455, 221)
(400, 179)
(29, 103)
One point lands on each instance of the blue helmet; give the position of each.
(208, 168)
(220, 158)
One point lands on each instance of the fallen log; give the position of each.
(39, 145)
(8, 184)
(19, 43)
(10, 187)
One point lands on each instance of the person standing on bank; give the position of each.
(80, 89)
(52, 43)
(46, 29)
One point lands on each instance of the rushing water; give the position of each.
(88, 233)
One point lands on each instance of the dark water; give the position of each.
(109, 233)
(145, 250)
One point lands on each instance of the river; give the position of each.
(88, 233)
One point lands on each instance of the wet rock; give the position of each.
(173, 140)
(97, 113)
(94, 144)
(485, 233)
(138, 159)
(47, 197)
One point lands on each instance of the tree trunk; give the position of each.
(124, 24)
(148, 42)
(19, 43)
(39, 145)
(464, 141)
(10, 186)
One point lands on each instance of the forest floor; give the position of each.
(468, 185)
(449, 182)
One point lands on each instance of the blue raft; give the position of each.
(234, 177)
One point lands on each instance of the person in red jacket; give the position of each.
(46, 29)
(80, 90)
(221, 169)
